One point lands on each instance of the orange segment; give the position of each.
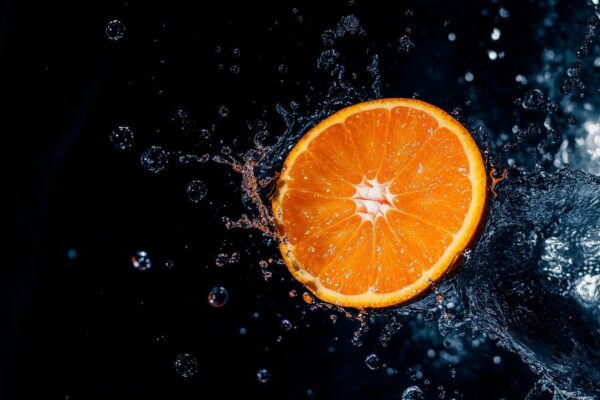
(377, 201)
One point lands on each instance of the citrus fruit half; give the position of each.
(377, 201)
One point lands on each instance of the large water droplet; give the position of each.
(115, 30)
(373, 361)
(412, 393)
(122, 137)
(218, 296)
(154, 159)
(263, 375)
(186, 365)
(196, 191)
(141, 261)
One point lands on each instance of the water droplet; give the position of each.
(327, 59)
(533, 99)
(115, 30)
(308, 299)
(196, 191)
(282, 68)
(571, 120)
(469, 77)
(328, 38)
(72, 254)
(186, 365)
(218, 296)
(373, 361)
(286, 325)
(154, 159)
(236, 53)
(497, 360)
(169, 264)
(521, 79)
(406, 44)
(122, 137)
(412, 393)
(503, 12)
(141, 261)
(234, 69)
(452, 37)
(223, 111)
(496, 34)
(263, 375)
(492, 55)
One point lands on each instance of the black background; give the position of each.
(94, 327)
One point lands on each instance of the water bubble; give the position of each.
(169, 264)
(115, 30)
(308, 299)
(154, 159)
(496, 34)
(492, 55)
(286, 324)
(587, 289)
(533, 99)
(72, 254)
(196, 191)
(122, 137)
(234, 69)
(406, 44)
(412, 393)
(236, 53)
(452, 36)
(373, 361)
(328, 38)
(218, 296)
(348, 24)
(469, 76)
(497, 360)
(186, 365)
(263, 375)
(223, 111)
(282, 68)
(327, 59)
(141, 261)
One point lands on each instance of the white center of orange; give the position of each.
(372, 199)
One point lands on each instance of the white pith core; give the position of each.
(372, 199)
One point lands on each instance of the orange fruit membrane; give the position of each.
(377, 201)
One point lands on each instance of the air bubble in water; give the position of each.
(141, 261)
(115, 30)
(196, 191)
(492, 55)
(452, 37)
(263, 375)
(234, 69)
(469, 77)
(218, 296)
(533, 99)
(122, 137)
(373, 361)
(186, 365)
(154, 159)
(412, 393)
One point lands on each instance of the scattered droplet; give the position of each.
(533, 99)
(223, 111)
(452, 37)
(286, 324)
(115, 30)
(218, 296)
(122, 137)
(186, 366)
(263, 375)
(412, 393)
(469, 77)
(141, 261)
(492, 55)
(373, 361)
(406, 44)
(496, 34)
(154, 159)
(497, 360)
(196, 191)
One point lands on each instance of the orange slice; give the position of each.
(377, 201)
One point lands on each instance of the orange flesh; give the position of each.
(372, 201)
